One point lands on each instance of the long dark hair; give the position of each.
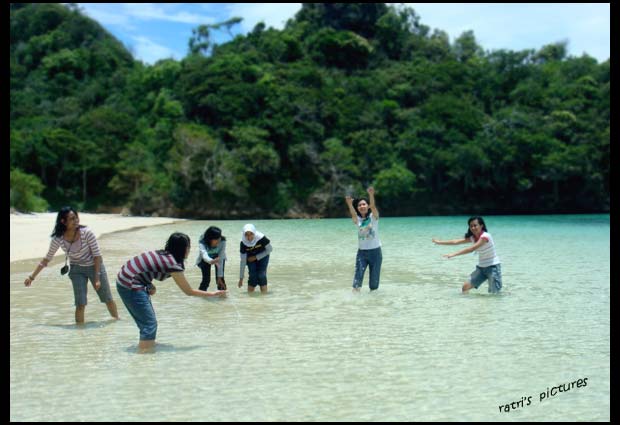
(356, 202)
(211, 233)
(176, 246)
(60, 228)
(469, 234)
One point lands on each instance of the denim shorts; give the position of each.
(80, 275)
(493, 273)
(139, 305)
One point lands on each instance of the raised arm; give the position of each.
(349, 202)
(181, 281)
(450, 242)
(467, 250)
(203, 253)
(91, 240)
(243, 261)
(39, 267)
(266, 252)
(373, 206)
(220, 262)
(54, 245)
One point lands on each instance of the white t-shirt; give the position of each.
(368, 232)
(486, 254)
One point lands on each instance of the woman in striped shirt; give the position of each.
(134, 283)
(489, 266)
(82, 250)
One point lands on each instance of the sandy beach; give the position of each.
(30, 233)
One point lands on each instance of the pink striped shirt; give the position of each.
(82, 252)
(142, 269)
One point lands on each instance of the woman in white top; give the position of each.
(369, 249)
(82, 250)
(489, 266)
(212, 251)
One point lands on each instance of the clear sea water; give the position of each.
(311, 350)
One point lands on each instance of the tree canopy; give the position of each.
(285, 123)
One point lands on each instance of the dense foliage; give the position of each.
(284, 123)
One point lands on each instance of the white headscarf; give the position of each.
(257, 235)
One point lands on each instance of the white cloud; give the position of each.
(517, 26)
(122, 14)
(106, 15)
(496, 25)
(157, 11)
(272, 14)
(150, 52)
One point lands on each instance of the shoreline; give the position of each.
(30, 233)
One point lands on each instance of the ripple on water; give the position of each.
(312, 350)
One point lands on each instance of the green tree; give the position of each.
(25, 192)
(395, 182)
(284, 122)
(343, 49)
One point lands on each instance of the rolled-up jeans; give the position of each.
(258, 272)
(371, 258)
(80, 275)
(138, 303)
(492, 273)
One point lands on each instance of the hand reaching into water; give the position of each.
(221, 284)
(221, 294)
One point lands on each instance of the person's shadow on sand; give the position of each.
(85, 325)
(165, 348)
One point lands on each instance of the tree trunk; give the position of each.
(84, 184)
(43, 175)
(58, 176)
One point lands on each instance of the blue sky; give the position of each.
(154, 31)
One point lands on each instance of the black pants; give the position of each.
(206, 275)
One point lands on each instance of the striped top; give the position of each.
(82, 252)
(486, 253)
(142, 269)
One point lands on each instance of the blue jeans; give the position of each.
(493, 273)
(258, 272)
(368, 258)
(139, 305)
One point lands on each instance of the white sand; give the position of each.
(30, 233)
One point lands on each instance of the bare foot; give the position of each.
(466, 287)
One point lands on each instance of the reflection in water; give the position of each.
(164, 348)
(311, 350)
(85, 325)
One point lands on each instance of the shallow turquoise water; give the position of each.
(311, 350)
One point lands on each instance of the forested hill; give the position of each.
(285, 123)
